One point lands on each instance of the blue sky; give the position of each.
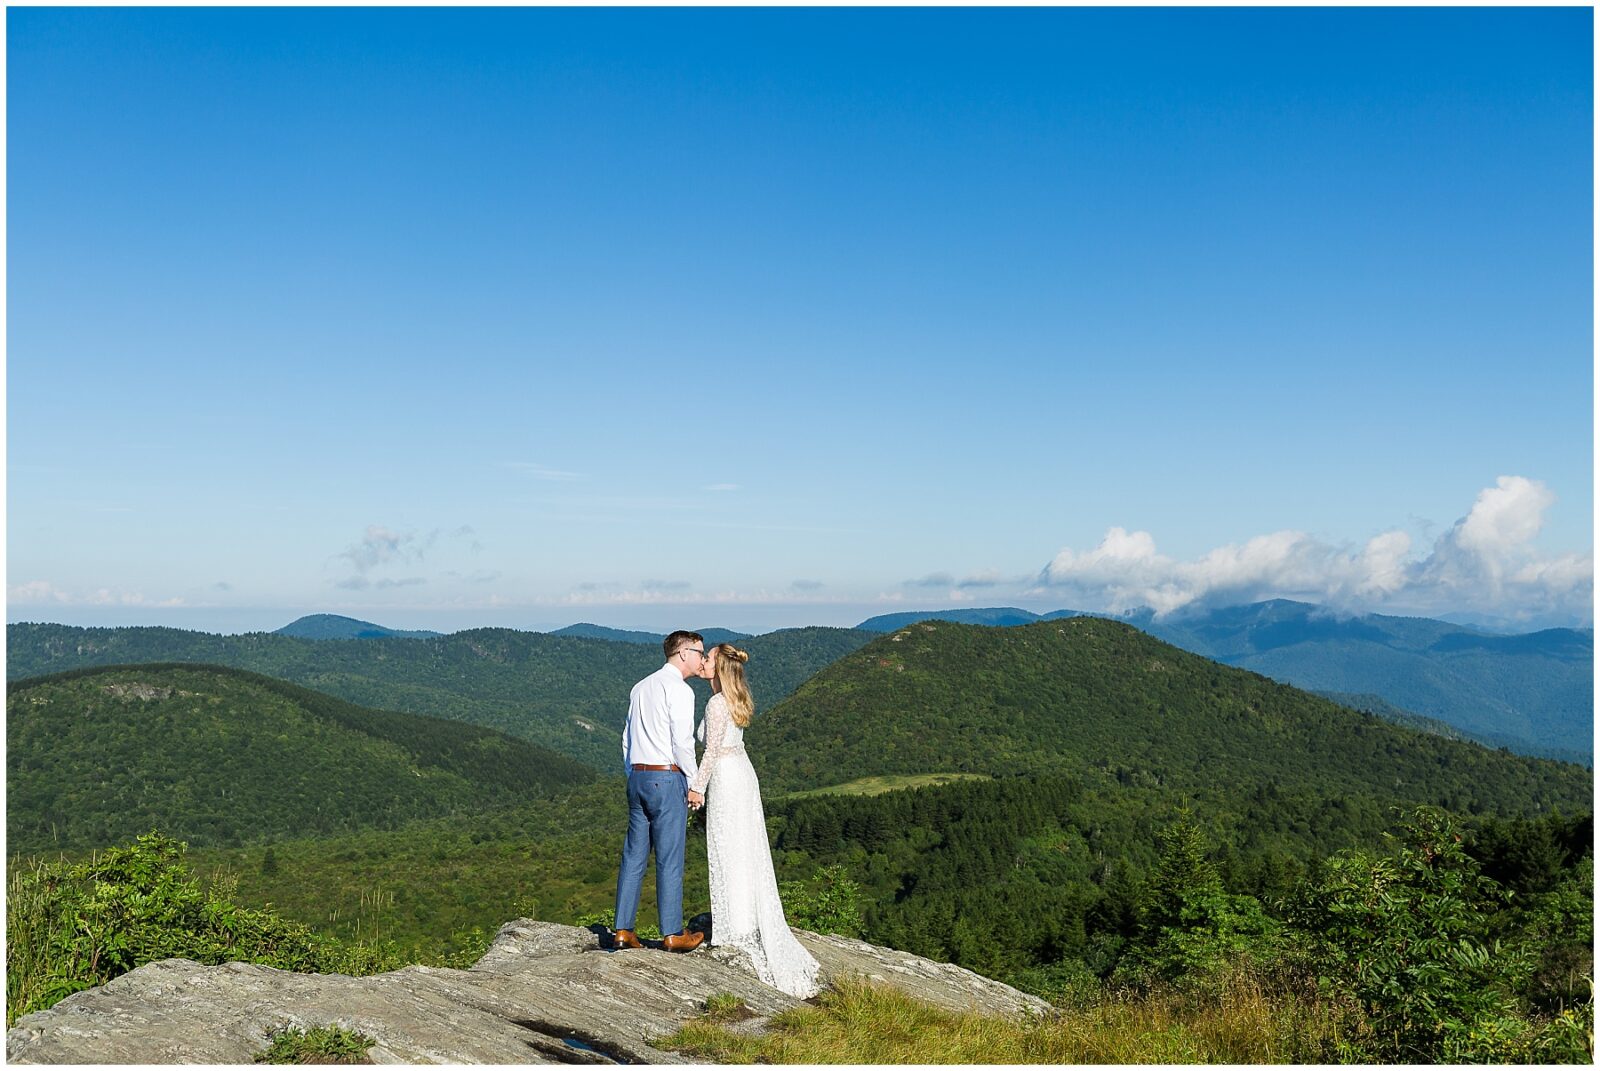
(755, 318)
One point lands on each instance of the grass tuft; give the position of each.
(319, 1045)
(726, 1007)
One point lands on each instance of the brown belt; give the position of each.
(647, 766)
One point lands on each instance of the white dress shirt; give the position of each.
(660, 728)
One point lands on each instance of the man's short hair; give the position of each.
(679, 640)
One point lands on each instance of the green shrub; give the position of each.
(830, 902)
(1406, 936)
(71, 926)
(1067, 984)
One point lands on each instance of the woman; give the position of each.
(745, 910)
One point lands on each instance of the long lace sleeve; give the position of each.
(716, 726)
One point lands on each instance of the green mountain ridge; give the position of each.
(1102, 699)
(223, 756)
(1531, 692)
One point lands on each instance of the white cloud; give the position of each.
(1484, 563)
(36, 591)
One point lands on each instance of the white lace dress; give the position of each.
(745, 910)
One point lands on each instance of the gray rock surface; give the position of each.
(543, 993)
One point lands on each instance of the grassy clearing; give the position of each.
(877, 786)
(857, 1022)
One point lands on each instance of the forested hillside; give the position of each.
(221, 756)
(1531, 692)
(1104, 700)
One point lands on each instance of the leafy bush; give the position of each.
(1559, 926)
(72, 926)
(1067, 984)
(830, 902)
(1406, 936)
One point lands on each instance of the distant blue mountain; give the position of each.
(334, 627)
(1001, 616)
(587, 631)
(1533, 693)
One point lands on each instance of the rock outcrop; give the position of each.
(543, 993)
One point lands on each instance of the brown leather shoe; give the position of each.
(625, 939)
(683, 942)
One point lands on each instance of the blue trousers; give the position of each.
(658, 813)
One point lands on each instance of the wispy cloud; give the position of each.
(1484, 563)
(544, 472)
(381, 545)
(482, 576)
(43, 592)
(988, 578)
(594, 593)
(35, 592)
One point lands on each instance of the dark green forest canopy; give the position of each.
(218, 756)
(1106, 700)
(569, 694)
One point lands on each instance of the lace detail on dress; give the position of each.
(720, 736)
(746, 911)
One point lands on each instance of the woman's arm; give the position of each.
(716, 729)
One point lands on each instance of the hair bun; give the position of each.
(742, 656)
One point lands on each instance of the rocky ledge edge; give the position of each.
(542, 993)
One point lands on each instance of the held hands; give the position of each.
(696, 801)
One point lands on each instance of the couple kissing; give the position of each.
(665, 782)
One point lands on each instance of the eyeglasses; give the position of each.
(693, 650)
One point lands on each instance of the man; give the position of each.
(658, 759)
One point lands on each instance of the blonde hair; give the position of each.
(729, 679)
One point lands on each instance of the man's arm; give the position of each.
(627, 726)
(680, 715)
